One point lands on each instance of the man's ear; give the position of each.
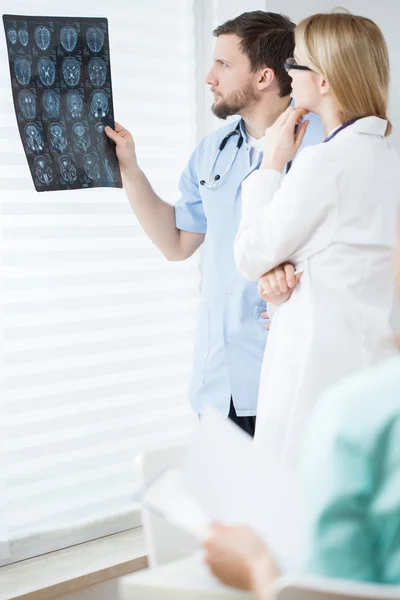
(265, 78)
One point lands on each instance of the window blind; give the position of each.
(97, 328)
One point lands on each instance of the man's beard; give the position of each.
(235, 103)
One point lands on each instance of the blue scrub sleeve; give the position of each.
(189, 212)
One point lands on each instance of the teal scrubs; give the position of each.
(351, 474)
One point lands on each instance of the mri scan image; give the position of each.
(42, 37)
(27, 104)
(75, 104)
(71, 70)
(57, 137)
(68, 38)
(47, 71)
(99, 104)
(34, 138)
(67, 169)
(81, 137)
(51, 104)
(111, 168)
(101, 137)
(43, 170)
(23, 36)
(60, 72)
(97, 72)
(91, 166)
(12, 36)
(95, 39)
(23, 70)
(100, 128)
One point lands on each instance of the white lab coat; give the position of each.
(334, 216)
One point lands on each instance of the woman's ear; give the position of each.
(324, 87)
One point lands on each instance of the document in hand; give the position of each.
(227, 478)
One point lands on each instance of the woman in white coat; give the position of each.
(333, 217)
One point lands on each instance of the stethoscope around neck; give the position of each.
(214, 181)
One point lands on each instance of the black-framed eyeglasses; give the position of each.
(290, 63)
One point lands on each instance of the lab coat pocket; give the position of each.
(202, 346)
(261, 332)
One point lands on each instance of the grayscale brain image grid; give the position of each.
(61, 85)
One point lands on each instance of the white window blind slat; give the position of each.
(93, 317)
(97, 328)
(68, 322)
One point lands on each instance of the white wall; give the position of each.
(228, 9)
(386, 13)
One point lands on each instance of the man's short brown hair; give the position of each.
(267, 39)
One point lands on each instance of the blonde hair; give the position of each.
(350, 52)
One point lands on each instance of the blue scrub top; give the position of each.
(231, 334)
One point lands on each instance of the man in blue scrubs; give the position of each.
(248, 79)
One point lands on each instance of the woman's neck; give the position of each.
(331, 124)
(330, 119)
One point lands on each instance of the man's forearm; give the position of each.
(155, 216)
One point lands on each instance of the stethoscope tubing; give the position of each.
(217, 180)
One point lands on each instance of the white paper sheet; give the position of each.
(168, 498)
(226, 478)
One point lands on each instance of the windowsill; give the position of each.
(73, 568)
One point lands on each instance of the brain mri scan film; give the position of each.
(43, 170)
(81, 137)
(23, 36)
(67, 169)
(27, 104)
(42, 37)
(75, 104)
(101, 138)
(34, 138)
(23, 70)
(60, 71)
(112, 170)
(68, 38)
(57, 137)
(97, 72)
(99, 128)
(51, 104)
(12, 36)
(91, 166)
(99, 104)
(71, 69)
(46, 71)
(95, 39)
